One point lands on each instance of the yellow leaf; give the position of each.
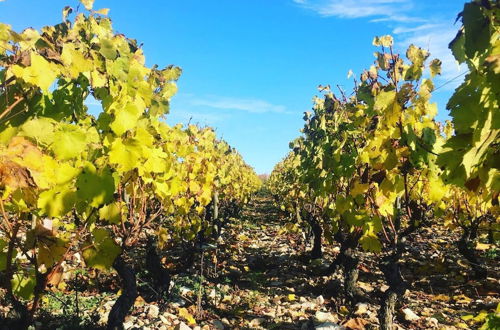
(103, 11)
(441, 297)
(139, 301)
(41, 72)
(291, 297)
(462, 299)
(186, 315)
(88, 4)
(359, 188)
(482, 246)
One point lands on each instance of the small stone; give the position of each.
(170, 315)
(164, 319)
(361, 309)
(325, 317)
(153, 311)
(320, 300)
(308, 305)
(197, 327)
(129, 324)
(410, 315)
(256, 322)
(218, 325)
(432, 322)
(182, 326)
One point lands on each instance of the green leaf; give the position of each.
(108, 49)
(96, 187)
(23, 285)
(74, 60)
(40, 73)
(125, 154)
(69, 142)
(477, 31)
(3, 255)
(126, 118)
(51, 250)
(457, 47)
(370, 243)
(58, 201)
(111, 213)
(41, 129)
(103, 250)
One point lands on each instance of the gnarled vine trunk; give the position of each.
(124, 303)
(391, 268)
(316, 251)
(349, 261)
(465, 248)
(160, 276)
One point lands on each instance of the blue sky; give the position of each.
(251, 67)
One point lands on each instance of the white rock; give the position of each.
(320, 300)
(256, 322)
(153, 311)
(184, 291)
(164, 319)
(432, 322)
(212, 294)
(325, 317)
(170, 315)
(329, 326)
(361, 309)
(410, 315)
(129, 324)
(308, 305)
(182, 326)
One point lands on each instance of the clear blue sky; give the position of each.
(251, 67)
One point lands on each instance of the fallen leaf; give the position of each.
(187, 316)
(356, 324)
